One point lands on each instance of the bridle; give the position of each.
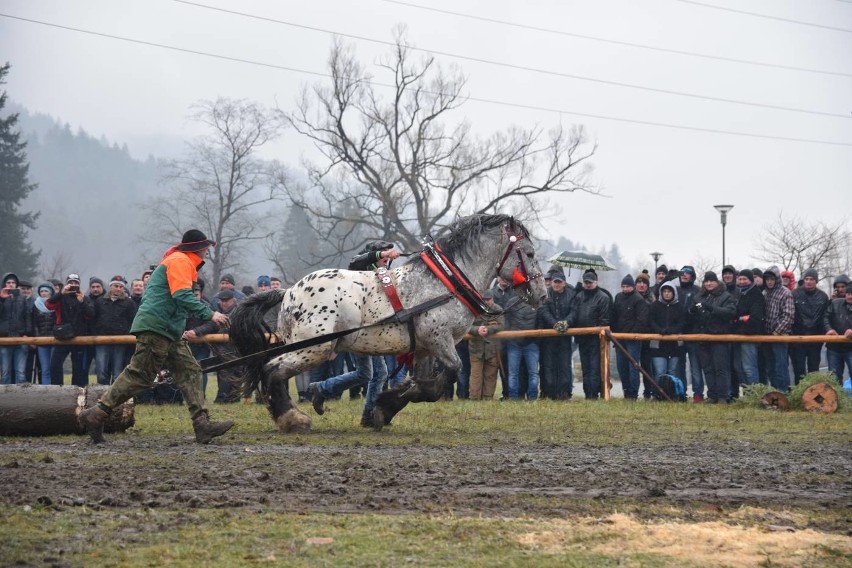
(521, 278)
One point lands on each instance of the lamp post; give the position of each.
(656, 256)
(723, 211)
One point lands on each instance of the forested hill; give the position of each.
(89, 195)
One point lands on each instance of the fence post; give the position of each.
(604, 345)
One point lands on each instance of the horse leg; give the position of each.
(285, 413)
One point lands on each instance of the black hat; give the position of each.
(227, 277)
(557, 275)
(194, 240)
(226, 295)
(590, 276)
(747, 274)
(710, 276)
(729, 268)
(24, 284)
(662, 268)
(757, 272)
(809, 273)
(628, 281)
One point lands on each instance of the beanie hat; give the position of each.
(841, 279)
(747, 274)
(95, 279)
(248, 290)
(628, 281)
(73, 278)
(644, 275)
(118, 279)
(227, 277)
(710, 276)
(264, 280)
(729, 268)
(590, 276)
(811, 273)
(661, 269)
(757, 272)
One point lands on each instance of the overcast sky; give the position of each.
(661, 182)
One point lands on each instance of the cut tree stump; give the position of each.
(46, 410)
(775, 400)
(820, 397)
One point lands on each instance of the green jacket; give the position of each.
(168, 298)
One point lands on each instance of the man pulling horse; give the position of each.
(438, 289)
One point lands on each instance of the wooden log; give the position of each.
(775, 400)
(820, 397)
(46, 410)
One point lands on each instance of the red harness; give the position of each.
(453, 278)
(388, 286)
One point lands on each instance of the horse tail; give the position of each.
(250, 334)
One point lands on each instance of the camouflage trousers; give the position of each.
(154, 353)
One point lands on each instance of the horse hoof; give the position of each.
(294, 421)
(378, 419)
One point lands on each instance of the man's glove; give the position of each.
(561, 326)
(699, 308)
(708, 308)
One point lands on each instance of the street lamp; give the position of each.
(723, 211)
(656, 256)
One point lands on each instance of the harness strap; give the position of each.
(453, 279)
(386, 279)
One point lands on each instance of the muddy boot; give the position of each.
(93, 419)
(317, 399)
(206, 430)
(367, 419)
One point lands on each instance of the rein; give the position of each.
(453, 278)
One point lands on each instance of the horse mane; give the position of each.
(461, 238)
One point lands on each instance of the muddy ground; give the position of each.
(503, 480)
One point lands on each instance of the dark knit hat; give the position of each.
(628, 281)
(194, 240)
(248, 290)
(662, 269)
(95, 280)
(263, 280)
(590, 276)
(710, 276)
(228, 277)
(226, 295)
(746, 274)
(841, 279)
(811, 273)
(72, 278)
(757, 272)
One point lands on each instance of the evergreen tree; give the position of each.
(16, 252)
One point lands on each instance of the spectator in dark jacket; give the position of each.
(667, 317)
(686, 280)
(71, 306)
(591, 308)
(557, 375)
(713, 310)
(522, 350)
(227, 379)
(43, 319)
(15, 321)
(838, 321)
(811, 304)
(629, 315)
(114, 313)
(749, 321)
(841, 284)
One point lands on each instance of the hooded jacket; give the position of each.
(750, 303)
(667, 318)
(685, 294)
(780, 309)
(716, 311)
(485, 347)
(15, 313)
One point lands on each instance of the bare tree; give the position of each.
(222, 187)
(57, 266)
(797, 245)
(406, 166)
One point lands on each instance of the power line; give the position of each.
(522, 67)
(767, 16)
(475, 99)
(617, 42)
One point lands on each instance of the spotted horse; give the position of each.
(336, 310)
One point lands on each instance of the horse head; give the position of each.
(518, 264)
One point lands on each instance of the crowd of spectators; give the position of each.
(745, 302)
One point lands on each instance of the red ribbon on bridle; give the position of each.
(521, 277)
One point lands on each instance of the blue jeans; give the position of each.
(463, 388)
(529, 353)
(779, 375)
(14, 357)
(665, 366)
(836, 360)
(110, 362)
(370, 371)
(748, 360)
(696, 372)
(44, 354)
(399, 376)
(627, 372)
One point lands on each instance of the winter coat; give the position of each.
(113, 316)
(629, 313)
(838, 317)
(751, 304)
(667, 318)
(67, 309)
(780, 309)
(556, 308)
(16, 317)
(685, 293)
(712, 312)
(169, 299)
(43, 322)
(521, 316)
(485, 347)
(809, 318)
(591, 308)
